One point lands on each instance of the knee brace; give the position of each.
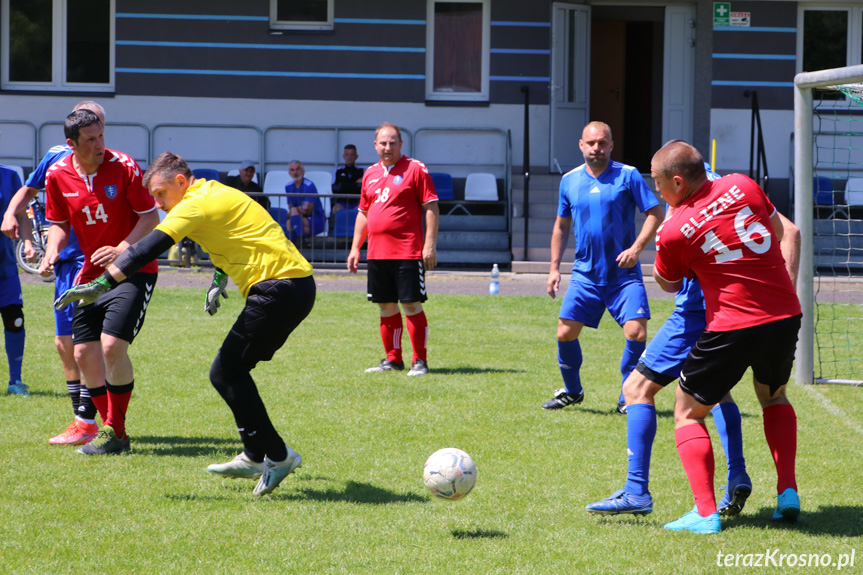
(13, 317)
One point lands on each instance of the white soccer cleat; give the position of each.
(240, 467)
(276, 471)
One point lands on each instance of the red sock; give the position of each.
(418, 331)
(391, 335)
(696, 454)
(780, 429)
(118, 403)
(99, 397)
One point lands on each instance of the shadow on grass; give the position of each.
(478, 534)
(186, 446)
(48, 394)
(472, 370)
(835, 520)
(353, 492)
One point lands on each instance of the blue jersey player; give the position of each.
(660, 365)
(11, 299)
(65, 270)
(598, 200)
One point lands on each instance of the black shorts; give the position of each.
(719, 359)
(396, 281)
(119, 312)
(274, 308)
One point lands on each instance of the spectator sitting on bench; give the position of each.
(245, 183)
(348, 179)
(307, 213)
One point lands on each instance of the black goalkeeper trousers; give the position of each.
(274, 308)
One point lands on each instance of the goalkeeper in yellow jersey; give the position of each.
(245, 243)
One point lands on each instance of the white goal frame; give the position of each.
(804, 83)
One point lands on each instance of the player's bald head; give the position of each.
(596, 126)
(94, 107)
(677, 158)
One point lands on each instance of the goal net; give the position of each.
(828, 208)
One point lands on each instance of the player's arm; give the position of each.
(432, 218)
(559, 239)
(629, 257)
(667, 285)
(108, 254)
(58, 235)
(789, 243)
(361, 232)
(128, 263)
(15, 215)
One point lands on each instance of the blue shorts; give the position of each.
(586, 303)
(65, 272)
(10, 291)
(663, 359)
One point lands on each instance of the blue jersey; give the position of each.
(10, 183)
(603, 219)
(36, 179)
(307, 187)
(690, 297)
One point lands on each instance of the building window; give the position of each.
(457, 50)
(301, 14)
(57, 45)
(829, 37)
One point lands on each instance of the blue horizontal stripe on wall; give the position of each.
(522, 24)
(192, 16)
(753, 29)
(268, 46)
(276, 74)
(755, 56)
(519, 78)
(744, 83)
(379, 21)
(519, 51)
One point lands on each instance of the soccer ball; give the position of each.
(449, 473)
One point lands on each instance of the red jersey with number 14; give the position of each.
(723, 236)
(393, 199)
(102, 208)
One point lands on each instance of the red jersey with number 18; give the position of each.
(722, 235)
(393, 199)
(102, 208)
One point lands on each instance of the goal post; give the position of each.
(804, 154)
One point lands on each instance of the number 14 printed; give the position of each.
(99, 215)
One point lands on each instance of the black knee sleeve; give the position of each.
(228, 374)
(13, 317)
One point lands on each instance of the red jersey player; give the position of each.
(397, 194)
(99, 193)
(726, 234)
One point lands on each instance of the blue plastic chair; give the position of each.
(443, 185)
(345, 220)
(207, 174)
(822, 188)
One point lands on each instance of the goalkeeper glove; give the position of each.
(218, 288)
(87, 293)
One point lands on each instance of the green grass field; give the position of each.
(358, 505)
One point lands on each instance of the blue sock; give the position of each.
(726, 416)
(640, 432)
(15, 353)
(569, 359)
(297, 226)
(631, 352)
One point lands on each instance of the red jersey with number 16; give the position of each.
(722, 235)
(393, 199)
(102, 208)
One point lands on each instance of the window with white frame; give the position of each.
(57, 45)
(829, 36)
(457, 50)
(301, 14)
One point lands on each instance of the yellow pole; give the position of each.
(713, 156)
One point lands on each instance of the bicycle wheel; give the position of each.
(28, 266)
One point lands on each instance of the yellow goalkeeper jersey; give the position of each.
(237, 232)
